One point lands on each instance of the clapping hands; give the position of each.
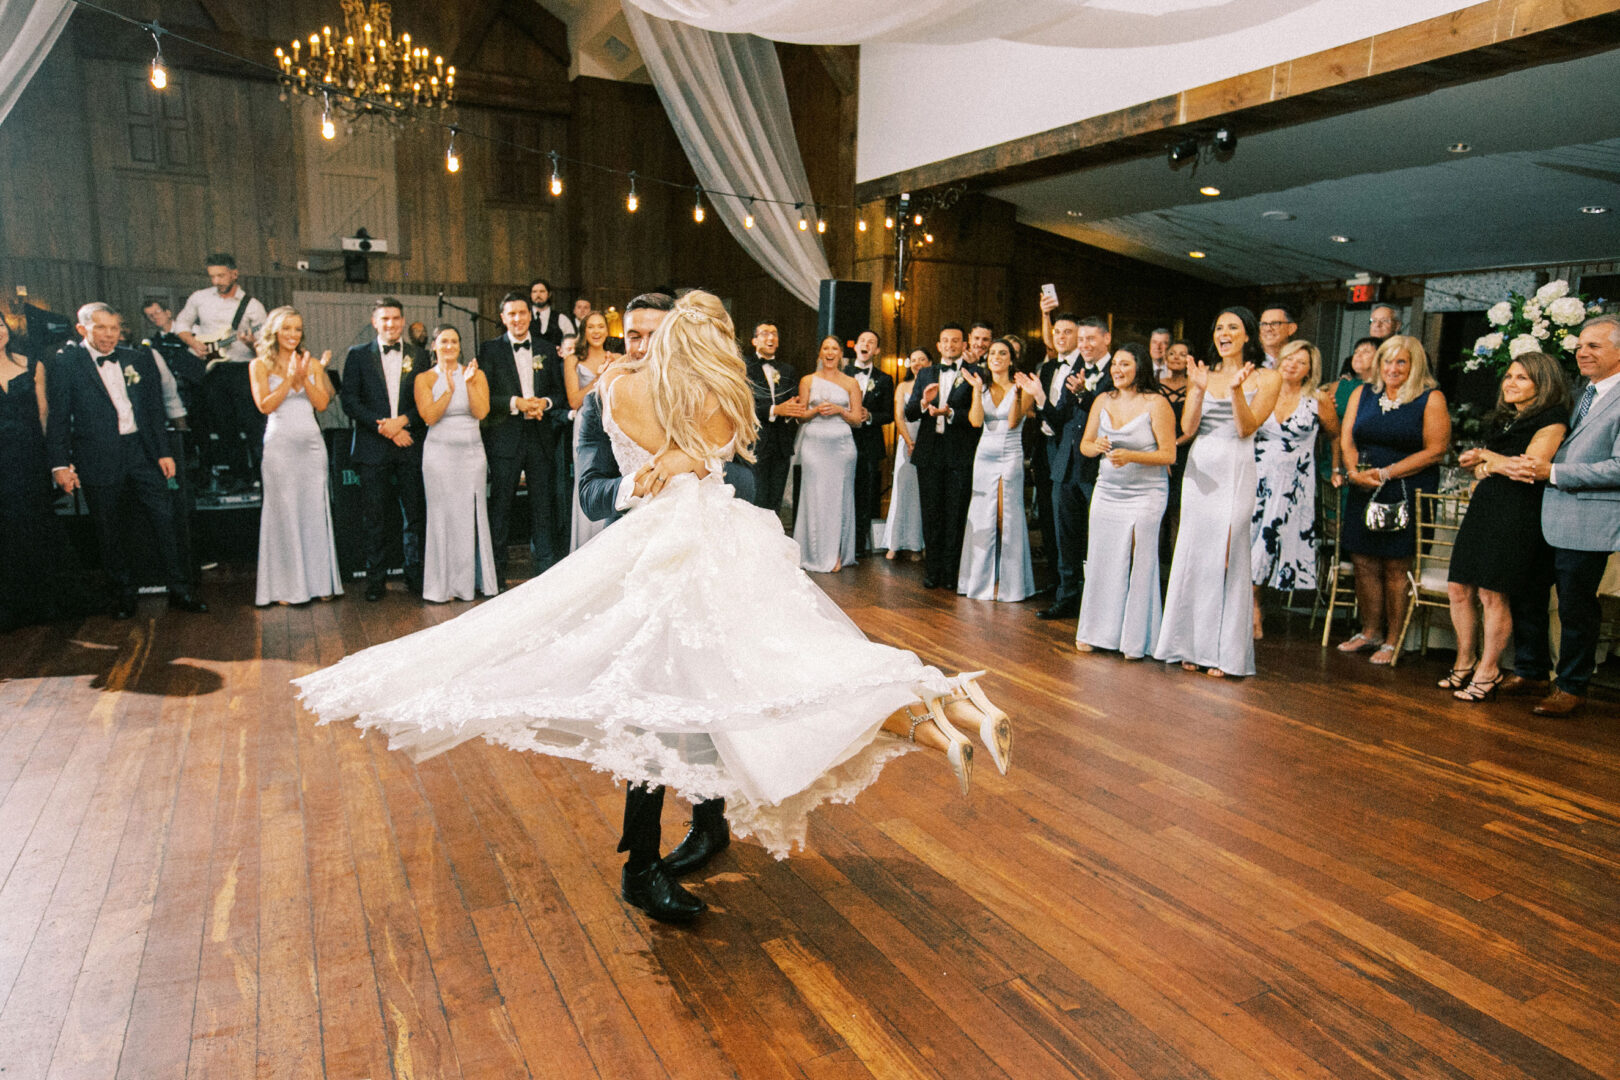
(973, 379)
(1198, 372)
(930, 395)
(1030, 385)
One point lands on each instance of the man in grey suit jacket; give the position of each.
(648, 882)
(1580, 517)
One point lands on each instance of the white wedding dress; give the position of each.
(683, 646)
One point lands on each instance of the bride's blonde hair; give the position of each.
(692, 355)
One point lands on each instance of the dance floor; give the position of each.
(1329, 870)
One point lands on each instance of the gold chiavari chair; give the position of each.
(1438, 518)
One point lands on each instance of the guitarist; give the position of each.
(219, 325)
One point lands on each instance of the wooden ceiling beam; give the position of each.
(1475, 43)
(548, 31)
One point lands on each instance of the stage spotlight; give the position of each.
(1184, 151)
(1225, 143)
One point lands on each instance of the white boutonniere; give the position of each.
(772, 376)
(405, 365)
(1093, 379)
(131, 376)
(539, 363)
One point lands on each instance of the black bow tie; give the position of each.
(389, 350)
(947, 367)
(863, 367)
(516, 345)
(101, 361)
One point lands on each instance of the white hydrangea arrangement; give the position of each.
(1544, 322)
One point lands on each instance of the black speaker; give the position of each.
(846, 309)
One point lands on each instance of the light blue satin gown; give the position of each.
(297, 549)
(1209, 606)
(458, 560)
(903, 530)
(825, 529)
(995, 551)
(583, 528)
(1120, 608)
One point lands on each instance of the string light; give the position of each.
(860, 226)
(917, 220)
(888, 221)
(556, 176)
(632, 203)
(697, 206)
(748, 218)
(159, 76)
(328, 129)
(821, 222)
(928, 238)
(452, 160)
(803, 224)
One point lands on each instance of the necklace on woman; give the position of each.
(1387, 403)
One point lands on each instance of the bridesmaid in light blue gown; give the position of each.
(995, 551)
(825, 525)
(297, 551)
(1209, 607)
(583, 362)
(1133, 429)
(903, 530)
(458, 559)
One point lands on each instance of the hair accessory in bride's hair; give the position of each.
(694, 315)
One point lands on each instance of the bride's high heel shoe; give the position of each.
(959, 752)
(969, 705)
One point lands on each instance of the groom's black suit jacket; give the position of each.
(599, 476)
(955, 447)
(365, 401)
(503, 432)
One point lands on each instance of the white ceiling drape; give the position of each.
(1096, 24)
(28, 29)
(725, 97)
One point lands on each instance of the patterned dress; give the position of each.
(1283, 555)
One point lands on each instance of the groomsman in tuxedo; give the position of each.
(378, 395)
(1064, 392)
(877, 397)
(979, 336)
(107, 436)
(545, 322)
(946, 442)
(776, 389)
(524, 431)
(1580, 517)
(648, 882)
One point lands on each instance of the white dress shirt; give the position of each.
(1065, 368)
(208, 315)
(112, 377)
(393, 371)
(863, 378)
(524, 362)
(173, 407)
(772, 378)
(947, 379)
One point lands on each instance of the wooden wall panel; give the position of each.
(45, 179)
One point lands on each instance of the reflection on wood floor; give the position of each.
(1329, 870)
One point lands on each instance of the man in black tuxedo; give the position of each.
(776, 390)
(648, 882)
(1064, 392)
(524, 431)
(379, 396)
(107, 436)
(877, 397)
(946, 442)
(546, 322)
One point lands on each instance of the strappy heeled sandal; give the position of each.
(995, 726)
(1459, 678)
(960, 751)
(1478, 691)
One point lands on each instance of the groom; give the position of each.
(604, 494)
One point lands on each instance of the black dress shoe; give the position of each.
(704, 841)
(376, 589)
(930, 583)
(184, 601)
(125, 607)
(659, 895)
(1063, 609)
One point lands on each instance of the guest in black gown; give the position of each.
(1500, 539)
(26, 520)
(1174, 385)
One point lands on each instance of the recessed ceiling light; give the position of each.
(1459, 148)
(1337, 239)
(1075, 213)
(1195, 255)
(1594, 209)
(1210, 190)
(1277, 215)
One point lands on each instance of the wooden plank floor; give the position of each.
(1329, 870)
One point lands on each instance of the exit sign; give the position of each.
(1361, 294)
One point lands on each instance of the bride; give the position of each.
(682, 646)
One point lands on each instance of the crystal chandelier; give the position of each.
(365, 71)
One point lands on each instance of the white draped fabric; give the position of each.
(28, 28)
(1097, 24)
(725, 97)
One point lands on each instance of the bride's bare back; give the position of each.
(634, 413)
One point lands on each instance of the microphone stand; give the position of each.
(476, 318)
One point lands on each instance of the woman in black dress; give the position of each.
(1174, 385)
(1395, 431)
(27, 523)
(1500, 537)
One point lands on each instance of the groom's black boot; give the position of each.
(644, 883)
(708, 836)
